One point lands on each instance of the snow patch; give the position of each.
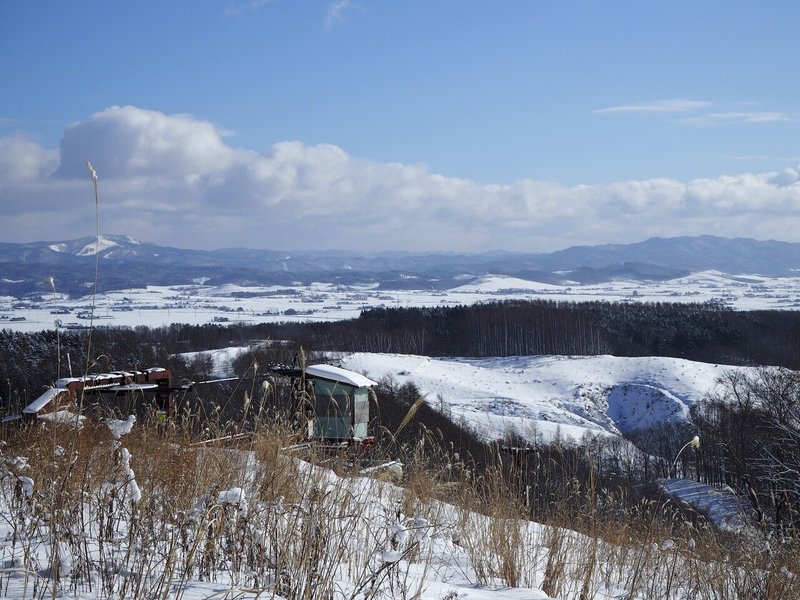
(119, 428)
(94, 247)
(721, 505)
(638, 406)
(234, 497)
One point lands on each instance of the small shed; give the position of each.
(341, 402)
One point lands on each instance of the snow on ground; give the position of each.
(222, 359)
(504, 283)
(157, 306)
(544, 394)
(538, 396)
(228, 544)
(727, 511)
(547, 395)
(229, 541)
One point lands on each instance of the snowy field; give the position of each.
(198, 304)
(436, 551)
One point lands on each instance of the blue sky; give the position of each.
(375, 125)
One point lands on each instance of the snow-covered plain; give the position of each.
(198, 304)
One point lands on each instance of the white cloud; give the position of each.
(173, 180)
(22, 159)
(720, 118)
(128, 141)
(657, 106)
(336, 12)
(699, 110)
(235, 9)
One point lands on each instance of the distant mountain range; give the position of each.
(126, 263)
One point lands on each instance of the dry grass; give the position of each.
(304, 530)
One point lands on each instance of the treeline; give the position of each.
(703, 332)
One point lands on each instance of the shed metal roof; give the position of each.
(339, 375)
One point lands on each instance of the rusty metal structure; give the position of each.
(67, 392)
(327, 403)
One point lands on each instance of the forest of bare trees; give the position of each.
(703, 332)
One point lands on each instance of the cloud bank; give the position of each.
(176, 180)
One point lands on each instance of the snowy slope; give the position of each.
(99, 245)
(506, 284)
(222, 359)
(721, 505)
(542, 395)
(368, 529)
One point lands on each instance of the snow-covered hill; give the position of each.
(545, 395)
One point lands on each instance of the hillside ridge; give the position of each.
(128, 263)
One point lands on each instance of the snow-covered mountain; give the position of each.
(128, 263)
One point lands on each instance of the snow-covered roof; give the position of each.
(42, 401)
(339, 375)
